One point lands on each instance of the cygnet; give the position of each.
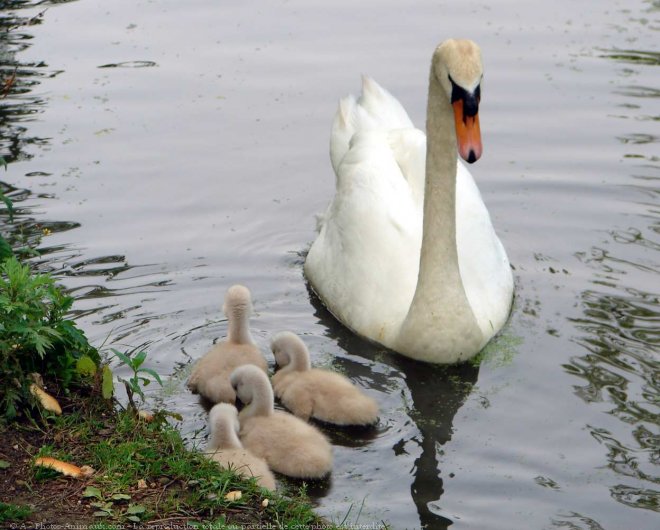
(315, 393)
(226, 449)
(210, 375)
(289, 445)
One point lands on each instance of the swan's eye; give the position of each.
(456, 91)
(470, 99)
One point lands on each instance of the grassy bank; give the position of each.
(142, 475)
(138, 473)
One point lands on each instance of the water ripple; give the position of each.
(633, 56)
(130, 64)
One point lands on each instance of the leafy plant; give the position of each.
(3, 198)
(134, 360)
(106, 507)
(5, 248)
(35, 335)
(13, 512)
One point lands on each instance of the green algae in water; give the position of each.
(500, 351)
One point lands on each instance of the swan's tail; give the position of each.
(376, 108)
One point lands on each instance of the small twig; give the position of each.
(129, 393)
(30, 22)
(36, 17)
(8, 83)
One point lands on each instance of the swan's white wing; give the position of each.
(376, 108)
(409, 150)
(482, 260)
(364, 261)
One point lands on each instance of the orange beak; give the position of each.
(468, 135)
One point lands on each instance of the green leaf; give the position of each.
(135, 509)
(85, 366)
(5, 249)
(152, 373)
(8, 202)
(105, 507)
(120, 497)
(135, 387)
(4, 464)
(174, 415)
(107, 386)
(125, 359)
(91, 491)
(139, 359)
(134, 518)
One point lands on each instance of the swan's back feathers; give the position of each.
(376, 108)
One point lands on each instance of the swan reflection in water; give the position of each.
(436, 393)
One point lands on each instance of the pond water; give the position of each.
(165, 150)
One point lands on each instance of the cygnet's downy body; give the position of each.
(226, 449)
(315, 393)
(210, 376)
(289, 445)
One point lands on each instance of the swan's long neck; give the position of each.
(440, 317)
(298, 359)
(224, 437)
(262, 401)
(238, 330)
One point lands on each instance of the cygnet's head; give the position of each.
(287, 349)
(457, 67)
(223, 416)
(250, 383)
(238, 302)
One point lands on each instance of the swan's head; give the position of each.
(287, 349)
(238, 302)
(223, 416)
(251, 384)
(457, 67)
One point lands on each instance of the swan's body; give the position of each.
(210, 376)
(289, 445)
(226, 449)
(406, 254)
(314, 393)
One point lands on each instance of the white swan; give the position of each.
(406, 254)
(289, 445)
(225, 448)
(312, 392)
(210, 375)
